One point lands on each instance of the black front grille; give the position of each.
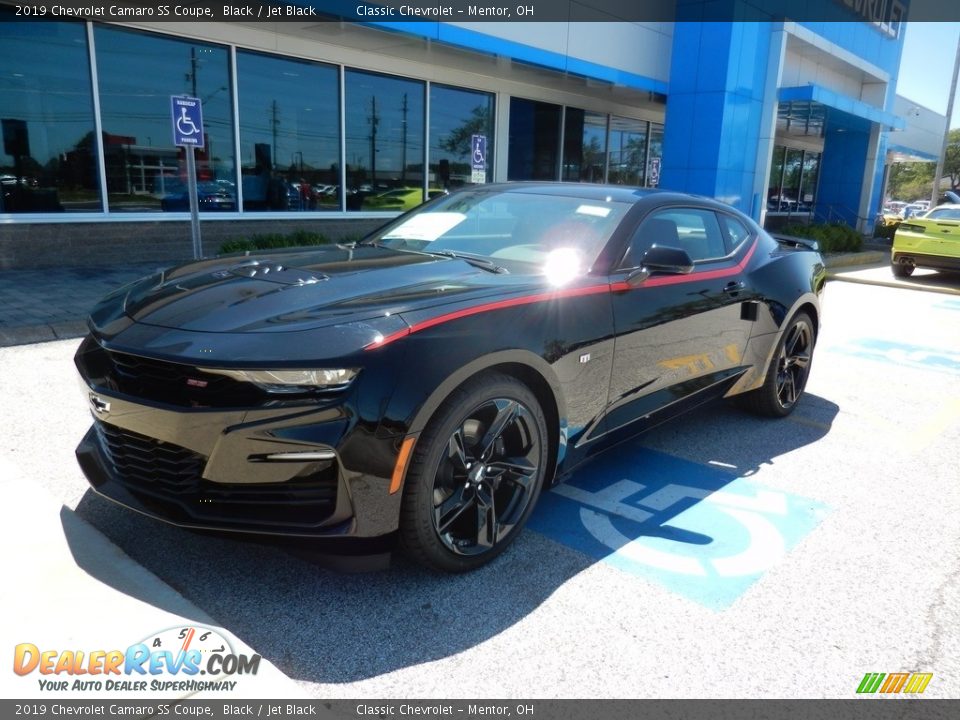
(162, 381)
(143, 462)
(158, 471)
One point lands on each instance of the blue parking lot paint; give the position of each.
(905, 354)
(948, 304)
(700, 531)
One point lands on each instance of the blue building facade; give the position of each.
(349, 123)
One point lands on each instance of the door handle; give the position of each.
(733, 287)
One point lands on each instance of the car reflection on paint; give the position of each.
(424, 385)
(211, 197)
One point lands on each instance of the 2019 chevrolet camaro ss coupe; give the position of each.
(425, 384)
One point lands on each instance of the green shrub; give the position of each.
(274, 241)
(832, 237)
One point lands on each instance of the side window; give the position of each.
(692, 229)
(734, 231)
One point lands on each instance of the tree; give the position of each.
(458, 141)
(908, 181)
(951, 163)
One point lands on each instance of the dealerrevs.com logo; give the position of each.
(185, 659)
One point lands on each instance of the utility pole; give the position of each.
(274, 125)
(374, 121)
(403, 161)
(935, 196)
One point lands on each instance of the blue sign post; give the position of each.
(478, 159)
(186, 117)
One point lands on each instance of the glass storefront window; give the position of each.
(793, 180)
(384, 142)
(145, 171)
(584, 146)
(49, 159)
(628, 151)
(455, 117)
(655, 161)
(534, 140)
(289, 133)
(792, 167)
(808, 185)
(776, 179)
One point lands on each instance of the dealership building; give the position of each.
(333, 126)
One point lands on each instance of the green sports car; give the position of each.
(929, 241)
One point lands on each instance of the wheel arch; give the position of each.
(530, 369)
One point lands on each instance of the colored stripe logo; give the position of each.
(892, 683)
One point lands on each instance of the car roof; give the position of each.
(591, 191)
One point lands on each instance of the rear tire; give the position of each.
(788, 372)
(475, 475)
(901, 270)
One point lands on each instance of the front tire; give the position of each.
(475, 475)
(788, 372)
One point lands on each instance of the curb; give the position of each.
(869, 257)
(893, 284)
(45, 332)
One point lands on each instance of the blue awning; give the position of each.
(843, 103)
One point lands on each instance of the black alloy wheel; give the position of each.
(787, 375)
(475, 475)
(793, 363)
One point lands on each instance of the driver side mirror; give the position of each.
(661, 259)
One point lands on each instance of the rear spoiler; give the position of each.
(796, 242)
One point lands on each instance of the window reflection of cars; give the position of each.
(405, 198)
(781, 203)
(216, 196)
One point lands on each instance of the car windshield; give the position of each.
(527, 231)
(952, 213)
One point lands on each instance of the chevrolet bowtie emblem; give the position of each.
(98, 405)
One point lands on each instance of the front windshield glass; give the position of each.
(527, 232)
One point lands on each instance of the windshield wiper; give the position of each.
(481, 263)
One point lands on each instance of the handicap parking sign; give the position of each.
(478, 159)
(701, 532)
(187, 118)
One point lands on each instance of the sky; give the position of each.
(929, 51)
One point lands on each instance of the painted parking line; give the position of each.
(701, 532)
(903, 354)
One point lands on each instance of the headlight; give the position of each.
(291, 381)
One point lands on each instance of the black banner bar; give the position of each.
(373, 11)
(858, 709)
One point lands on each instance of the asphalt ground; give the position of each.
(718, 556)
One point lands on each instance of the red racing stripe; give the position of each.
(559, 294)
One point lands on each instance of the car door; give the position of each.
(679, 337)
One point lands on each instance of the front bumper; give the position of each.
(244, 469)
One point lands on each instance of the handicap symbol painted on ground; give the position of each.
(702, 532)
(917, 356)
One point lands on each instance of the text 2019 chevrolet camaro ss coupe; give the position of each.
(425, 384)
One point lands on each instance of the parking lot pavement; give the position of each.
(716, 556)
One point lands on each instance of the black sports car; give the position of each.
(424, 384)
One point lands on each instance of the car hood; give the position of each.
(287, 292)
